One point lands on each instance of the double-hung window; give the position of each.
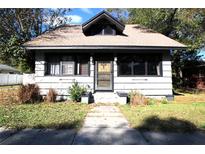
(67, 65)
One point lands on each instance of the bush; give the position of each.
(152, 101)
(137, 99)
(76, 92)
(51, 96)
(164, 101)
(29, 93)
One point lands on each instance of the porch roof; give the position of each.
(71, 36)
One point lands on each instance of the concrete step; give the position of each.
(106, 97)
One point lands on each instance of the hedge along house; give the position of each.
(105, 55)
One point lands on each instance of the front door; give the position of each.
(103, 75)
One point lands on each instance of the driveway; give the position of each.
(104, 125)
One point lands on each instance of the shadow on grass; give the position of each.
(50, 134)
(154, 123)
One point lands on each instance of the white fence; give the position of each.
(11, 79)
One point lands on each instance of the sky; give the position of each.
(80, 15)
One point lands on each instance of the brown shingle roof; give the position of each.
(134, 35)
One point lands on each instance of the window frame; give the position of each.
(74, 61)
(146, 67)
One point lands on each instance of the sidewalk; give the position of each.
(107, 126)
(104, 125)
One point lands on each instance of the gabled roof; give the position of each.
(71, 36)
(106, 15)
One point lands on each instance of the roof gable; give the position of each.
(103, 15)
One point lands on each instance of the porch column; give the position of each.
(92, 71)
(39, 64)
(115, 70)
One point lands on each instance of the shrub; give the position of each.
(164, 101)
(76, 92)
(29, 93)
(152, 101)
(51, 96)
(137, 99)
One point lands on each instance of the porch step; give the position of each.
(107, 97)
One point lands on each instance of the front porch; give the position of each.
(105, 72)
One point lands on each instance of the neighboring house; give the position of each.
(10, 75)
(8, 69)
(107, 56)
(195, 76)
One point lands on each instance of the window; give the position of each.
(67, 68)
(134, 65)
(53, 66)
(153, 68)
(125, 68)
(108, 30)
(67, 65)
(102, 29)
(139, 67)
(82, 67)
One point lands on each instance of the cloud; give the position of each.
(75, 19)
(86, 10)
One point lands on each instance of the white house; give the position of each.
(107, 56)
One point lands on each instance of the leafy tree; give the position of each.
(21, 25)
(185, 25)
(120, 14)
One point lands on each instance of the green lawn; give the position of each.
(172, 117)
(44, 115)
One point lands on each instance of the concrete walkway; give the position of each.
(106, 125)
(103, 125)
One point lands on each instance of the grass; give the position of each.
(9, 94)
(189, 98)
(172, 117)
(44, 115)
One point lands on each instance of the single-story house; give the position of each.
(8, 69)
(105, 55)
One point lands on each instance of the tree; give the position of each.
(21, 25)
(185, 25)
(120, 14)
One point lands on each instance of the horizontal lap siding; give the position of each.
(151, 86)
(61, 84)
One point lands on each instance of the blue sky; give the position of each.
(80, 15)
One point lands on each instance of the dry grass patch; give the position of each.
(189, 98)
(9, 95)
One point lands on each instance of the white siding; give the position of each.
(150, 86)
(60, 83)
